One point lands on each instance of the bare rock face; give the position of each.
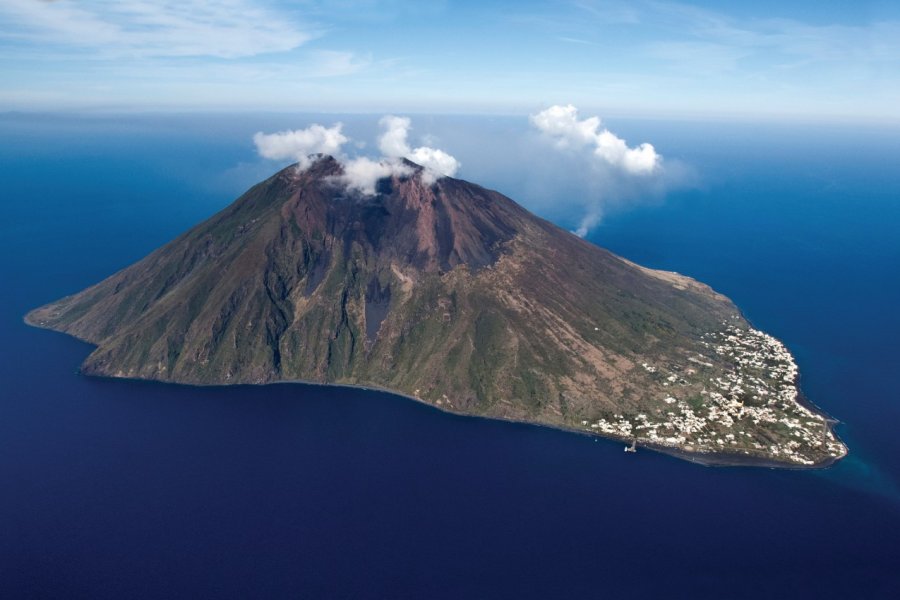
(454, 295)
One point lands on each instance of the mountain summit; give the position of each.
(454, 295)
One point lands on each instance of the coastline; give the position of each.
(699, 458)
(802, 399)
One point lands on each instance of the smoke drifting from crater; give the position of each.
(561, 124)
(565, 167)
(605, 172)
(361, 173)
(300, 144)
(392, 143)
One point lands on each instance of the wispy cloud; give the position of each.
(571, 40)
(153, 28)
(615, 56)
(334, 63)
(611, 12)
(697, 57)
(717, 59)
(693, 35)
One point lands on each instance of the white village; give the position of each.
(752, 412)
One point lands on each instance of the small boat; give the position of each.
(632, 447)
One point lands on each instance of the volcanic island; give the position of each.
(441, 290)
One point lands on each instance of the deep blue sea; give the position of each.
(120, 489)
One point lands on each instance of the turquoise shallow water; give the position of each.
(126, 489)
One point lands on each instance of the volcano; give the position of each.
(452, 294)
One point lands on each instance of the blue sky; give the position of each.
(815, 60)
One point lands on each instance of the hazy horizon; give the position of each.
(663, 59)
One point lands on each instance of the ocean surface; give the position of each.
(122, 489)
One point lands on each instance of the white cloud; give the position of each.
(143, 28)
(561, 124)
(333, 63)
(437, 163)
(393, 144)
(600, 172)
(393, 141)
(362, 174)
(300, 143)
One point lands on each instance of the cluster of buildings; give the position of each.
(751, 409)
